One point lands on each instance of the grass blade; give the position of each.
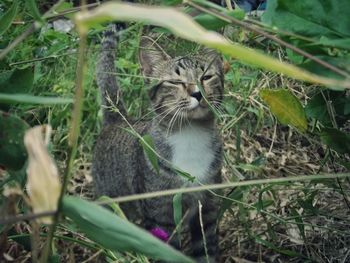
(115, 233)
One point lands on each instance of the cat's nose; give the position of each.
(197, 95)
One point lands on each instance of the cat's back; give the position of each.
(118, 159)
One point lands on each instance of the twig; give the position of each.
(129, 198)
(72, 10)
(40, 59)
(202, 230)
(30, 216)
(269, 36)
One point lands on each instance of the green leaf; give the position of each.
(184, 26)
(63, 7)
(213, 23)
(33, 10)
(12, 151)
(184, 174)
(299, 220)
(339, 62)
(275, 248)
(312, 18)
(342, 43)
(7, 18)
(286, 107)
(235, 194)
(336, 139)
(29, 99)
(114, 206)
(17, 80)
(317, 107)
(115, 233)
(149, 149)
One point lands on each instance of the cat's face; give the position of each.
(184, 85)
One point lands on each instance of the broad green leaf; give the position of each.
(17, 80)
(286, 107)
(336, 139)
(342, 43)
(213, 23)
(342, 62)
(7, 18)
(33, 9)
(317, 108)
(338, 101)
(115, 233)
(149, 149)
(184, 26)
(12, 151)
(312, 18)
(30, 99)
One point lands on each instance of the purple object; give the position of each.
(160, 233)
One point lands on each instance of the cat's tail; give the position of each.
(106, 76)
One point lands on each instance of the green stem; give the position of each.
(135, 197)
(72, 139)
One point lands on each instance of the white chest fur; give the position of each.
(192, 151)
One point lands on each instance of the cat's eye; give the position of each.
(175, 82)
(207, 77)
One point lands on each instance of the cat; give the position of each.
(184, 134)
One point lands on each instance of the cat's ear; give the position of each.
(151, 56)
(213, 57)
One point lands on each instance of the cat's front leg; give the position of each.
(159, 220)
(204, 232)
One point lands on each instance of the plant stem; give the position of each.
(244, 25)
(72, 137)
(135, 197)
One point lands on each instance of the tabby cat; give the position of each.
(184, 134)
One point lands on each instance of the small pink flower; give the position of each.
(160, 233)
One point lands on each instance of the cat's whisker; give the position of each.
(155, 109)
(172, 122)
(166, 113)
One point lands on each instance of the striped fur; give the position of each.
(184, 134)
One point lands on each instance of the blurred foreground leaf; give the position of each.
(185, 27)
(112, 232)
(29, 99)
(12, 152)
(43, 184)
(286, 107)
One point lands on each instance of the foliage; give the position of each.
(37, 80)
